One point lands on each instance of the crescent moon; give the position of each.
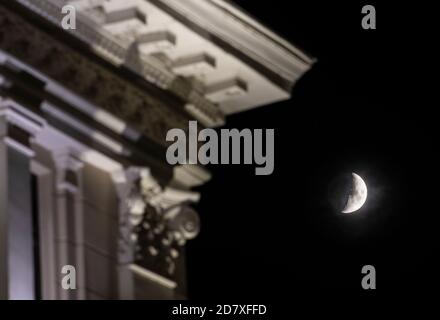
(358, 195)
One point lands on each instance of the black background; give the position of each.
(365, 107)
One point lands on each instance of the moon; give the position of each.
(357, 196)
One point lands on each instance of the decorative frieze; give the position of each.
(117, 47)
(103, 88)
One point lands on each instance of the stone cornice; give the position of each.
(88, 79)
(207, 53)
(222, 20)
(120, 53)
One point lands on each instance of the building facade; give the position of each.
(84, 114)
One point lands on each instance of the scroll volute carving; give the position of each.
(161, 226)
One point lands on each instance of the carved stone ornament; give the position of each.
(162, 222)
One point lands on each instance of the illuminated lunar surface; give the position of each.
(357, 196)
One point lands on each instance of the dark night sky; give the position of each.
(364, 107)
